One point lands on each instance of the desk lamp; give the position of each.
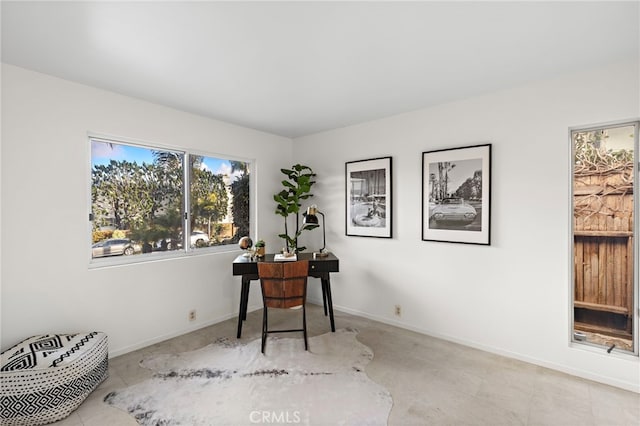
(311, 218)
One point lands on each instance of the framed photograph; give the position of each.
(368, 198)
(456, 195)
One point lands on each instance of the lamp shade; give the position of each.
(311, 216)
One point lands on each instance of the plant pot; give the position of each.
(260, 251)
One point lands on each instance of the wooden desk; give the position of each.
(318, 268)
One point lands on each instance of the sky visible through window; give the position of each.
(103, 152)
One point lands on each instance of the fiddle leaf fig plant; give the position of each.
(297, 187)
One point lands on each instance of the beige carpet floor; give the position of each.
(431, 381)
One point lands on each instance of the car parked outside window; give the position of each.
(114, 247)
(199, 239)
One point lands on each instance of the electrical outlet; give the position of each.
(192, 315)
(398, 311)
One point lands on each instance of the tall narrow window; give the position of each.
(143, 202)
(604, 231)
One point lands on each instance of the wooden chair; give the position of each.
(284, 286)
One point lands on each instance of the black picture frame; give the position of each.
(368, 198)
(456, 195)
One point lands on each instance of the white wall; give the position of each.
(513, 296)
(46, 283)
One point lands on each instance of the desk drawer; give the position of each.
(323, 266)
(248, 268)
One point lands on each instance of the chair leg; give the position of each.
(264, 328)
(304, 326)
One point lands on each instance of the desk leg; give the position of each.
(324, 298)
(245, 297)
(244, 301)
(326, 288)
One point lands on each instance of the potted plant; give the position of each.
(260, 248)
(297, 187)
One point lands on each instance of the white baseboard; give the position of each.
(162, 338)
(498, 351)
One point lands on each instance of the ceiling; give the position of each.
(297, 68)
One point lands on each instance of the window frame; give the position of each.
(187, 250)
(585, 345)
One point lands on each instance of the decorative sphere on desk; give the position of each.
(245, 243)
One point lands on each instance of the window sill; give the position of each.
(602, 350)
(118, 261)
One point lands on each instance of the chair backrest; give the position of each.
(284, 284)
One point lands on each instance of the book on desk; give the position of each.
(278, 257)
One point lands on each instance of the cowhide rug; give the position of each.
(227, 383)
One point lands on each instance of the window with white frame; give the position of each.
(147, 200)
